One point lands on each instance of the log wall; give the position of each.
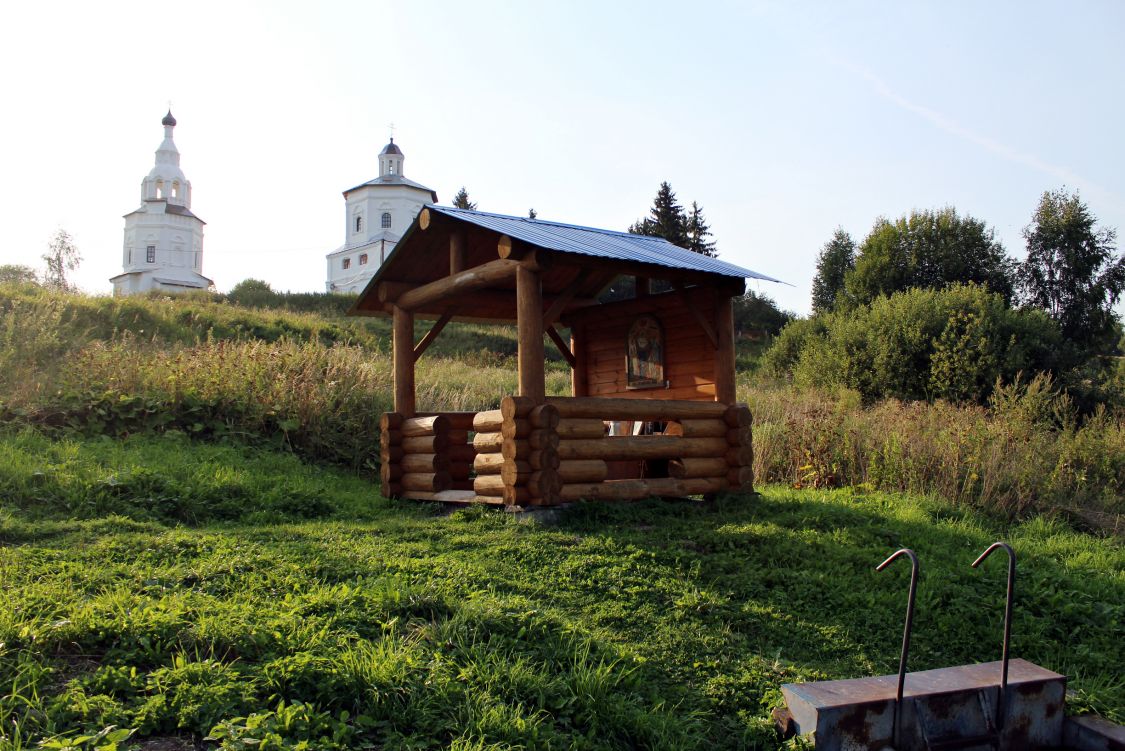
(543, 454)
(689, 354)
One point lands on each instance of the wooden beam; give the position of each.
(579, 377)
(403, 356)
(564, 298)
(724, 352)
(424, 219)
(432, 334)
(529, 328)
(457, 244)
(698, 315)
(470, 280)
(562, 346)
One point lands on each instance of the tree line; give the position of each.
(935, 293)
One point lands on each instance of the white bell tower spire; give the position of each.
(163, 246)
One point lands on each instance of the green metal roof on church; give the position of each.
(600, 243)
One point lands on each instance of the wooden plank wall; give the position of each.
(689, 356)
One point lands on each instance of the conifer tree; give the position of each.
(698, 231)
(461, 200)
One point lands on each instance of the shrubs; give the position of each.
(921, 344)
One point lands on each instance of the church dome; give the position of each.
(390, 148)
(168, 119)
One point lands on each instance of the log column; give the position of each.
(578, 375)
(740, 455)
(403, 354)
(529, 324)
(391, 454)
(724, 354)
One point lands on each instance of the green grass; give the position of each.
(308, 608)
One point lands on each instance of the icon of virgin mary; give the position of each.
(645, 354)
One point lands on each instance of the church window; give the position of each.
(176, 189)
(150, 254)
(347, 263)
(386, 220)
(362, 259)
(159, 188)
(358, 223)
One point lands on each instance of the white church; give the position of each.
(163, 248)
(376, 214)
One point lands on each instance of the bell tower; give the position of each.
(163, 247)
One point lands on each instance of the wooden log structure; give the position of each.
(632, 490)
(605, 408)
(620, 448)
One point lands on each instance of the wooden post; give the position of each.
(457, 252)
(403, 347)
(578, 376)
(529, 324)
(724, 353)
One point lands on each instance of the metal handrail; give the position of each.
(1001, 705)
(914, 568)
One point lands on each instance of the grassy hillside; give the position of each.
(316, 383)
(182, 589)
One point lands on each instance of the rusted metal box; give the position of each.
(946, 708)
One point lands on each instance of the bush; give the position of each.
(951, 344)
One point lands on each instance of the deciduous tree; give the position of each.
(929, 250)
(1072, 273)
(62, 257)
(11, 273)
(836, 259)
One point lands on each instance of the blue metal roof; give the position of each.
(602, 243)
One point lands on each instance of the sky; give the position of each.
(782, 120)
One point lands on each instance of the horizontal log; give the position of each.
(635, 409)
(517, 428)
(390, 421)
(390, 437)
(620, 448)
(448, 287)
(698, 467)
(425, 444)
(680, 392)
(738, 416)
(547, 458)
(540, 440)
(589, 427)
(489, 485)
(417, 426)
(488, 464)
(461, 453)
(741, 477)
(632, 490)
(544, 417)
(487, 443)
(461, 485)
(515, 448)
(460, 471)
(457, 437)
(390, 490)
(453, 495)
(457, 420)
(425, 463)
(390, 472)
(489, 421)
(433, 481)
(740, 456)
(512, 407)
(583, 470)
(697, 428)
(389, 454)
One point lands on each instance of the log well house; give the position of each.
(652, 410)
